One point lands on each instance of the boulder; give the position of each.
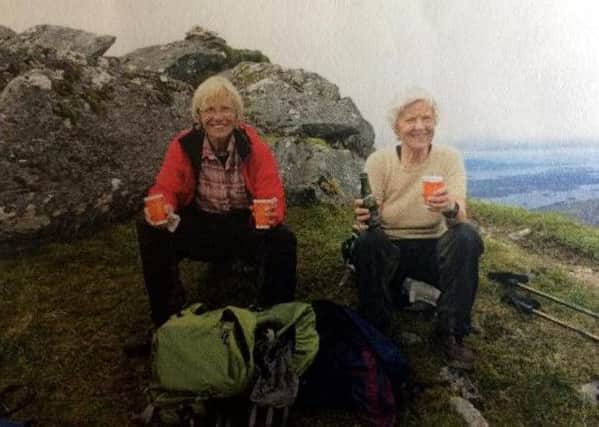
(6, 33)
(315, 172)
(202, 54)
(63, 38)
(300, 103)
(79, 143)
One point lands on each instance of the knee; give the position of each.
(467, 238)
(368, 241)
(283, 238)
(144, 230)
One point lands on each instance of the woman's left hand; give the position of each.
(271, 212)
(441, 201)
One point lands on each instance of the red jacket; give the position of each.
(177, 177)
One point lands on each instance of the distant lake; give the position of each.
(533, 177)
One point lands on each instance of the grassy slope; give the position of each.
(67, 309)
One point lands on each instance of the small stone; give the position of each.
(590, 392)
(460, 384)
(520, 234)
(471, 415)
(115, 183)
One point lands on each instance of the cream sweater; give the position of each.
(403, 214)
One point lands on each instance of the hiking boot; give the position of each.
(458, 356)
(139, 345)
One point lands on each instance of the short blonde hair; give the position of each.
(215, 88)
(407, 97)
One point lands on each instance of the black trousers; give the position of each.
(449, 263)
(215, 238)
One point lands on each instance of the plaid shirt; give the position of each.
(221, 189)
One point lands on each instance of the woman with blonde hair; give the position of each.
(209, 178)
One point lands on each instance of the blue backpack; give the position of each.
(357, 367)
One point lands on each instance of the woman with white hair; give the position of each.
(210, 175)
(424, 238)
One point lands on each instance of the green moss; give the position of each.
(272, 138)
(235, 56)
(317, 141)
(245, 76)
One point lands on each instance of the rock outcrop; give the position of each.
(80, 140)
(319, 137)
(82, 135)
(6, 33)
(192, 60)
(67, 39)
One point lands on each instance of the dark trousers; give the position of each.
(449, 263)
(215, 238)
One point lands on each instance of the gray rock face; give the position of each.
(82, 136)
(192, 60)
(6, 33)
(297, 102)
(62, 38)
(79, 143)
(315, 172)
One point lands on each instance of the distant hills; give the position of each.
(551, 180)
(567, 183)
(585, 211)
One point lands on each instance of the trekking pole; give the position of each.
(512, 279)
(347, 248)
(530, 305)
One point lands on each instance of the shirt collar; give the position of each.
(208, 152)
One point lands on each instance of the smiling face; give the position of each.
(415, 125)
(218, 118)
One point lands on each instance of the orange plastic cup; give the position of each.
(261, 206)
(155, 205)
(430, 185)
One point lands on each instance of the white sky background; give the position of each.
(510, 70)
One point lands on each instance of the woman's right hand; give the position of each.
(169, 211)
(361, 215)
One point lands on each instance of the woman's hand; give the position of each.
(169, 211)
(441, 201)
(362, 214)
(270, 211)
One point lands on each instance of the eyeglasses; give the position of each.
(425, 120)
(221, 111)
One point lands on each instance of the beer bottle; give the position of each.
(369, 201)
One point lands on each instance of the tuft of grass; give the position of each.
(67, 309)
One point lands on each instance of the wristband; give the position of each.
(452, 213)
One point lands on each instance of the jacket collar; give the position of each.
(195, 138)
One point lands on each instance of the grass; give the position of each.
(67, 309)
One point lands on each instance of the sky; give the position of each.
(502, 72)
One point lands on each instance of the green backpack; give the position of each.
(200, 355)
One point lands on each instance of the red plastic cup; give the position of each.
(261, 206)
(430, 185)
